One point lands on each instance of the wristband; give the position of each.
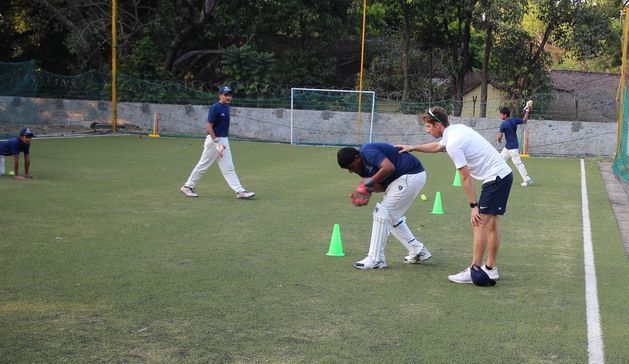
(473, 204)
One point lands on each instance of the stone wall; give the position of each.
(560, 138)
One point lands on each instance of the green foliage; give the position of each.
(297, 68)
(593, 37)
(145, 61)
(266, 46)
(384, 77)
(513, 64)
(252, 70)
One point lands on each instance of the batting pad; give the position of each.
(379, 232)
(403, 234)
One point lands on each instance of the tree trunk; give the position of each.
(188, 32)
(463, 58)
(406, 53)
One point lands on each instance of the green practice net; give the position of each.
(621, 161)
(26, 79)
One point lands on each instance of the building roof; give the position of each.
(571, 81)
(473, 80)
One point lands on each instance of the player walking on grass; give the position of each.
(509, 129)
(216, 146)
(401, 177)
(13, 147)
(474, 157)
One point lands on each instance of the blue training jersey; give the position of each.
(510, 128)
(373, 154)
(219, 117)
(14, 146)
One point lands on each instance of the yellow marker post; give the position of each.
(155, 132)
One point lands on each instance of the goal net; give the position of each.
(331, 117)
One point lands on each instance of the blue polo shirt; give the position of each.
(510, 128)
(373, 154)
(14, 146)
(218, 116)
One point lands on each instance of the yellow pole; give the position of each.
(155, 133)
(114, 45)
(360, 82)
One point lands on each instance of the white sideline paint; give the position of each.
(595, 335)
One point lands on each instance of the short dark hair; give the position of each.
(346, 156)
(505, 110)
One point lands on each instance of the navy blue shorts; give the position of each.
(494, 196)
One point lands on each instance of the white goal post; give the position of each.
(330, 117)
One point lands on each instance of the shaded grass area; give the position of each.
(103, 260)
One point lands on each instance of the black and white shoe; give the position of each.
(369, 263)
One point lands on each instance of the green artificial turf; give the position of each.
(103, 260)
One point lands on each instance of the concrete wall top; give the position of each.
(546, 137)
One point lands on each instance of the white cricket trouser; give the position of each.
(514, 155)
(225, 163)
(401, 193)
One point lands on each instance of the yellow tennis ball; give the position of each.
(11, 173)
(423, 197)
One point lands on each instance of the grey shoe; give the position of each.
(528, 182)
(464, 276)
(188, 191)
(245, 195)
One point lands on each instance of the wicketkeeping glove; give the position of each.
(361, 195)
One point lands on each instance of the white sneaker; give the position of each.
(368, 263)
(461, 277)
(245, 195)
(188, 191)
(493, 274)
(528, 182)
(421, 256)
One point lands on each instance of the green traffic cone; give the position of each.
(457, 179)
(437, 208)
(336, 245)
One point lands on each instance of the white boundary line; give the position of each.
(595, 335)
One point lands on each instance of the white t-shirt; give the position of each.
(468, 148)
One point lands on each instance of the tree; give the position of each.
(461, 59)
(511, 64)
(593, 34)
(188, 19)
(494, 16)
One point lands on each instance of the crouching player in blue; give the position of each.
(13, 147)
(401, 177)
